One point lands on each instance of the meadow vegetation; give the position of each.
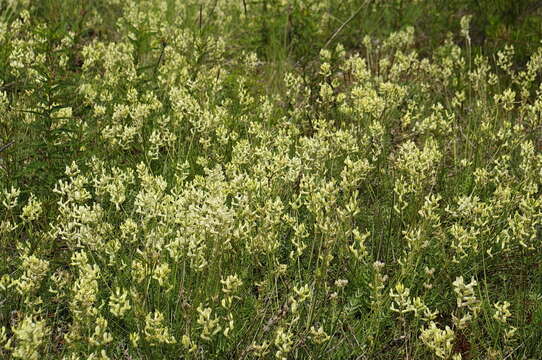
(189, 179)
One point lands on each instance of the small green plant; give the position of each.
(237, 180)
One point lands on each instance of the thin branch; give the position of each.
(356, 13)
(5, 146)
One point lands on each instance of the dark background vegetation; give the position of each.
(494, 24)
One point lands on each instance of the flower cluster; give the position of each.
(170, 190)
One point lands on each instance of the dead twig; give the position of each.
(352, 17)
(5, 146)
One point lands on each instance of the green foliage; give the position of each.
(274, 179)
